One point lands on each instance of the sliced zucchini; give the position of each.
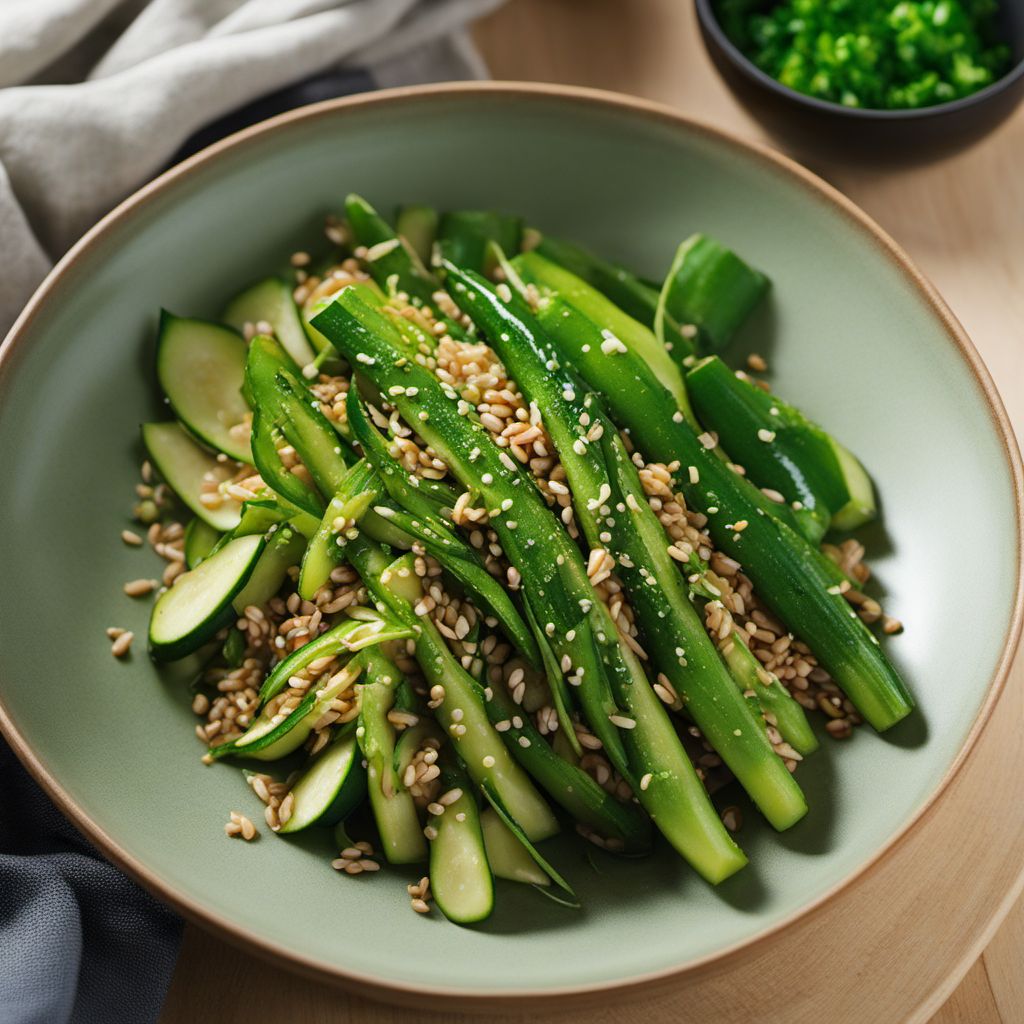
(326, 550)
(393, 808)
(201, 367)
(506, 855)
(200, 540)
(184, 464)
(861, 508)
(268, 739)
(418, 226)
(331, 788)
(271, 300)
(199, 603)
(460, 877)
(259, 516)
(284, 549)
(349, 635)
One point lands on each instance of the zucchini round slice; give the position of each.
(201, 367)
(199, 603)
(271, 300)
(184, 464)
(331, 788)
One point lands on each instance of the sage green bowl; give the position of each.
(853, 334)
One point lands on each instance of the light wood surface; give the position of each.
(916, 925)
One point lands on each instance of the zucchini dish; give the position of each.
(473, 537)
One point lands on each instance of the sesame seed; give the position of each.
(646, 781)
(122, 643)
(139, 588)
(694, 474)
(622, 722)
(766, 435)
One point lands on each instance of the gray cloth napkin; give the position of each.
(97, 95)
(114, 91)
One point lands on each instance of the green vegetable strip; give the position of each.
(465, 236)
(459, 558)
(570, 293)
(781, 449)
(565, 782)
(461, 712)
(418, 226)
(633, 296)
(800, 586)
(344, 637)
(775, 700)
(392, 804)
(557, 588)
(708, 289)
(389, 261)
(612, 509)
(326, 550)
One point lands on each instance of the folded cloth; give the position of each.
(115, 91)
(102, 93)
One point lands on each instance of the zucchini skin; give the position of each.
(369, 229)
(776, 444)
(709, 288)
(465, 235)
(632, 295)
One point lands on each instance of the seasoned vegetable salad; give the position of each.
(879, 54)
(483, 539)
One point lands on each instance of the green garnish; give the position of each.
(876, 54)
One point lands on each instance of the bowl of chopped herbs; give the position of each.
(909, 79)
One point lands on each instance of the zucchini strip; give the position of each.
(781, 449)
(393, 809)
(709, 290)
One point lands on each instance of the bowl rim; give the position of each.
(771, 162)
(710, 23)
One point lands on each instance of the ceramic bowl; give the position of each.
(853, 334)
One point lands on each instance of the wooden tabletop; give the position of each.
(962, 221)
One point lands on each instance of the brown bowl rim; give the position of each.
(407, 993)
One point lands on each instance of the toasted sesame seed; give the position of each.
(139, 588)
(622, 722)
(121, 645)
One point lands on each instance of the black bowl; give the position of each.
(820, 127)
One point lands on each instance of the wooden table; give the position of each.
(962, 220)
